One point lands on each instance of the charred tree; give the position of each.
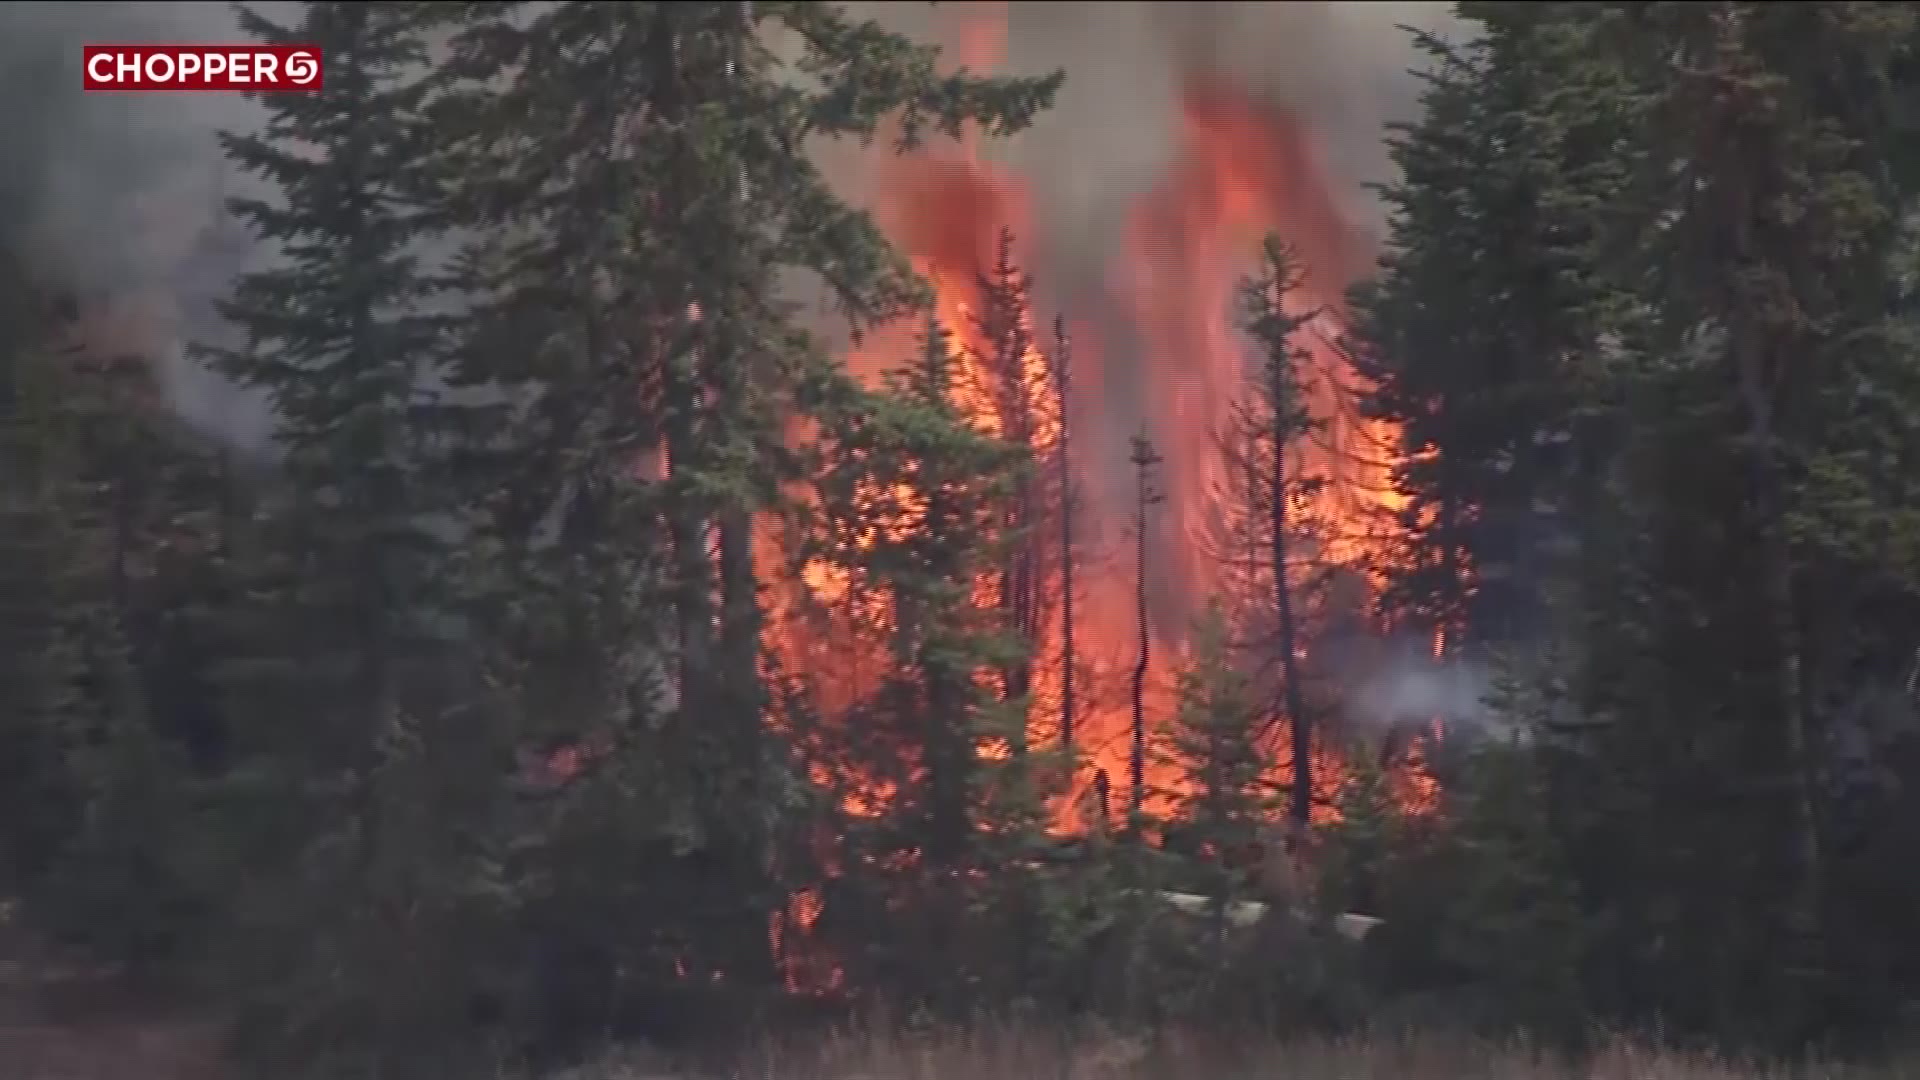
(1062, 376)
(1145, 495)
(1269, 422)
(1264, 533)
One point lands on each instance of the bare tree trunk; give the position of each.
(1062, 374)
(1144, 459)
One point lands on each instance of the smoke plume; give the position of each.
(1410, 688)
(1343, 68)
(119, 197)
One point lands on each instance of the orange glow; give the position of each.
(1241, 169)
(802, 970)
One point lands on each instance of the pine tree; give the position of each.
(913, 500)
(36, 650)
(640, 178)
(354, 657)
(98, 780)
(1478, 329)
(339, 340)
(1215, 743)
(1755, 237)
(1637, 295)
(1016, 382)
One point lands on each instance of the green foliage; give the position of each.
(1215, 743)
(36, 650)
(98, 802)
(1636, 302)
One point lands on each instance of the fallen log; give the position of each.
(1246, 914)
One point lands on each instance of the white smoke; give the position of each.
(1407, 688)
(120, 196)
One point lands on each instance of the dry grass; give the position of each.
(1015, 1053)
(61, 1019)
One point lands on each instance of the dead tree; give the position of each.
(1144, 458)
(1265, 427)
(1062, 372)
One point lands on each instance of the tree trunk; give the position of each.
(1061, 374)
(1144, 458)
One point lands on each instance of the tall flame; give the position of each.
(1243, 169)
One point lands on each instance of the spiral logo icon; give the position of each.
(302, 68)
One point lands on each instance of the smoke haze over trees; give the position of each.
(570, 533)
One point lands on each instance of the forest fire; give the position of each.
(1243, 171)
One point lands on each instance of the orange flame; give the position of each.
(1243, 169)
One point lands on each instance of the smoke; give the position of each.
(118, 197)
(121, 195)
(1409, 687)
(1343, 68)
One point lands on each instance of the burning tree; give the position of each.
(911, 505)
(1010, 374)
(1062, 370)
(912, 510)
(1264, 533)
(1145, 495)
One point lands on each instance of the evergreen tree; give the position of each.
(1215, 742)
(96, 790)
(640, 180)
(1478, 328)
(913, 499)
(338, 338)
(1685, 236)
(1778, 258)
(39, 709)
(352, 678)
(1015, 381)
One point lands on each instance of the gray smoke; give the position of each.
(121, 194)
(1343, 68)
(1410, 688)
